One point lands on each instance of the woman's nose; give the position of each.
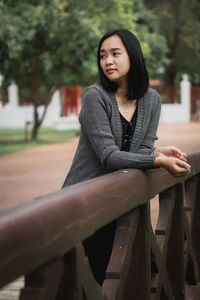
(109, 60)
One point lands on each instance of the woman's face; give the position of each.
(114, 59)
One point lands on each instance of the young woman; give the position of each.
(119, 119)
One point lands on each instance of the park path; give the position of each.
(36, 172)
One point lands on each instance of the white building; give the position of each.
(13, 115)
(178, 113)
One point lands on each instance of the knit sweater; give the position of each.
(98, 150)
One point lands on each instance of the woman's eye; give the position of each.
(102, 56)
(116, 53)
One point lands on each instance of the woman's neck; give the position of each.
(122, 91)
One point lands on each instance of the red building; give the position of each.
(71, 101)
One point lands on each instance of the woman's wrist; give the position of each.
(156, 151)
(160, 161)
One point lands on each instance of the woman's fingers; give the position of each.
(181, 172)
(183, 158)
(181, 168)
(175, 166)
(181, 155)
(178, 153)
(183, 164)
(171, 151)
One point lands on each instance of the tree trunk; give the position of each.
(36, 124)
(34, 134)
(173, 38)
(37, 121)
(170, 75)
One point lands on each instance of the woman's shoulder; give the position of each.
(152, 96)
(95, 95)
(96, 90)
(152, 93)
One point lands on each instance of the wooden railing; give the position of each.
(42, 239)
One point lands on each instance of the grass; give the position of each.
(13, 140)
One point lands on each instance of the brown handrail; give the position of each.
(41, 230)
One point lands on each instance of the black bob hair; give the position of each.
(138, 79)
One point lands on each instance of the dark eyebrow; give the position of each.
(113, 49)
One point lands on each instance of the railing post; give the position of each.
(168, 260)
(69, 287)
(43, 283)
(128, 273)
(137, 285)
(175, 251)
(195, 231)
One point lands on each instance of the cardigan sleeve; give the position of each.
(95, 124)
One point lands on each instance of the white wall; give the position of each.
(14, 116)
(178, 113)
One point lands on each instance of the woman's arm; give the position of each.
(169, 157)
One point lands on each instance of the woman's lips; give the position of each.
(110, 71)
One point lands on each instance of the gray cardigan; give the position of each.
(98, 151)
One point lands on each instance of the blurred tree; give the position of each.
(153, 43)
(179, 23)
(43, 46)
(47, 44)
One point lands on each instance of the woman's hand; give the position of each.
(170, 151)
(175, 166)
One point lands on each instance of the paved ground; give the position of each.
(39, 171)
(29, 174)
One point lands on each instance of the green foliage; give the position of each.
(53, 43)
(179, 23)
(13, 140)
(44, 44)
(153, 43)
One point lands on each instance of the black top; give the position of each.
(128, 129)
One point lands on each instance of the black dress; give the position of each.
(128, 129)
(98, 247)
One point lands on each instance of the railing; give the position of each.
(43, 238)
